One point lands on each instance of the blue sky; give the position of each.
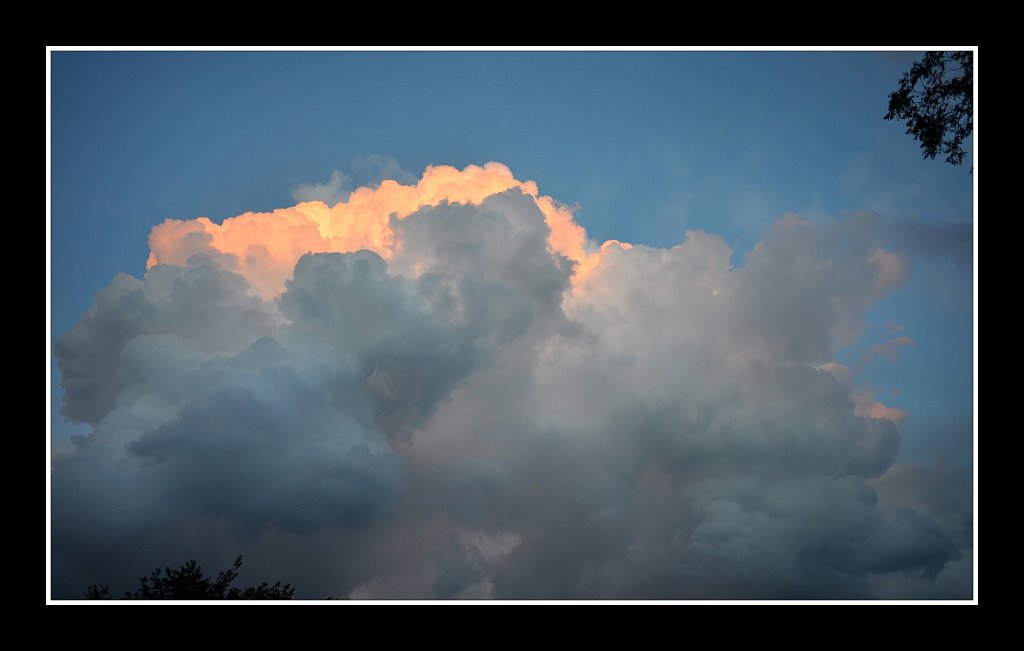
(645, 145)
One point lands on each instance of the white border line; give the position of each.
(49, 334)
(402, 48)
(504, 48)
(975, 328)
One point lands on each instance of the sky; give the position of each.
(581, 324)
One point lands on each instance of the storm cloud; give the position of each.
(447, 391)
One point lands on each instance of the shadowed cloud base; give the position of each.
(444, 389)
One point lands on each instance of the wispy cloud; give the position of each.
(890, 349)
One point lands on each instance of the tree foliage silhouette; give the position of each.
(188, 582)
(936, 99)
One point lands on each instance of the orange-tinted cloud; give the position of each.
(889, 349)
(864, 404)
(891, 270)
(265, 246)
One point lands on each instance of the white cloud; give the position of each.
(464, 420)
(335, 189)
(371, 170)
(366, 171)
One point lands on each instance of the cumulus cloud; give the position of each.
(367, 171)
(444, 389)
(335, 190)
(264, 247)
(374, 169)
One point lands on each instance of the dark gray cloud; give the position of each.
(459, 422)
(946, 245)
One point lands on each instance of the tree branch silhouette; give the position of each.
(936, 99)
(188, 582)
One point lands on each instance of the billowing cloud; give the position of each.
(366, 171)
(264, 247)
(335, 190)
(444, 389)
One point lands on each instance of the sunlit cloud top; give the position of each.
(264, 247)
